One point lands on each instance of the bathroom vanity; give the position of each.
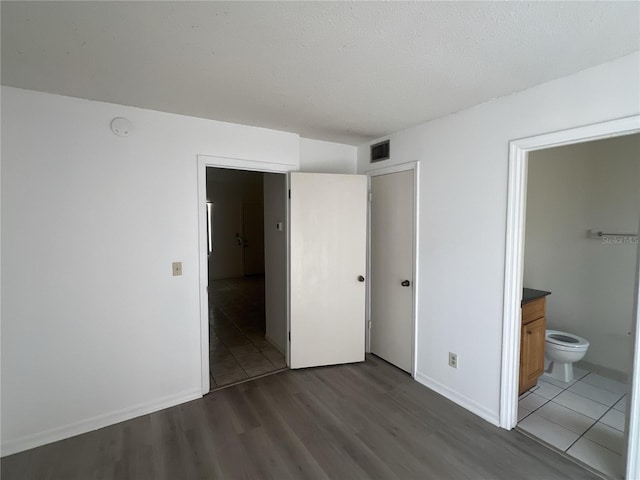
(532, 337)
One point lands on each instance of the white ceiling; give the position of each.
(338, 71)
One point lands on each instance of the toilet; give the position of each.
(561, 351)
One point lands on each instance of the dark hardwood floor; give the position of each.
(367, 420)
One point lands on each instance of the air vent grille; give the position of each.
(380, 151)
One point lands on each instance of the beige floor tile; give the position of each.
(607, 437)
(598, 457)
(574, 421)
(549, 432)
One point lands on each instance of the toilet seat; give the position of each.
(566, 341)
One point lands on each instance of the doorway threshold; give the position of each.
(245, 380)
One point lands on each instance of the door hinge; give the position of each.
(371, 196)
(369, 324)
(289, 336)
(289, 193)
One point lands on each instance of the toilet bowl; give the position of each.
(562, 350)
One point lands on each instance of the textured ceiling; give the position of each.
(338, 71)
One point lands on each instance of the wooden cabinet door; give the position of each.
(532, 353)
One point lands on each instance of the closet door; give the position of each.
(392, 276)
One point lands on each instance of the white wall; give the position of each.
(229, 190)
(463, 201)
(570, 190)
(327, 157)
(94, 327)
(275, 259)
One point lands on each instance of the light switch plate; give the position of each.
(177, 269)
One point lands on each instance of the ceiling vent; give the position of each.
(380, 151)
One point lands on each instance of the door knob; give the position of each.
(405, 283)
(360, 278)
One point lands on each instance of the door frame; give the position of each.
(403, 167)
(204, 161)
(514, 267)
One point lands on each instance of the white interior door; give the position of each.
(392, 267)
(328, 255)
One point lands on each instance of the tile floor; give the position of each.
(583, 418)
(237, 347)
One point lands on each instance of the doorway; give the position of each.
(246, 335)
(573, 192)
(514, 276)
(249, 331)
(279, 171)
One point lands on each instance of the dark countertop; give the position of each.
(529, 295)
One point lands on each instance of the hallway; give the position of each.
(237, 347)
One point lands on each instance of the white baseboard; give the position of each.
(94, 423)
(455, 397)
(603, 371)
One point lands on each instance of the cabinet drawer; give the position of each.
(533, 310)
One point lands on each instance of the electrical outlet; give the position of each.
(177, 269)
(453, 360)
